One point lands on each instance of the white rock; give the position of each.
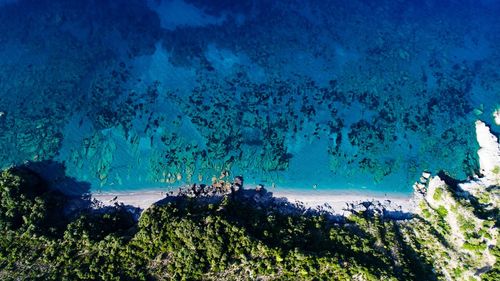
(489, 152)
(434, 182)
(496, 115)
(472, 186)
(420, 186)
(426, 175)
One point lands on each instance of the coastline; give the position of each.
(341, 199)
(140, 199)
(337, 200)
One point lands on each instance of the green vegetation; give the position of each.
(425, 211)
(182, 238)
(438, 193)
(441, 210)
(465, 225)
(26, 205)
(494, 273)
(474, 247)
(496, 170)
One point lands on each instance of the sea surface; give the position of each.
(300, 95)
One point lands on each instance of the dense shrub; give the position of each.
(183, 238)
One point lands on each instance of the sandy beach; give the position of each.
(140, 199)
(337, 200)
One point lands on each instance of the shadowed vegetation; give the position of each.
(239, 236)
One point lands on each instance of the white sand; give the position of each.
(338, 200)
(140, 199)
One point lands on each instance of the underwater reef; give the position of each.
(138, 94)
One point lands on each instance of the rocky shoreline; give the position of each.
(336, 204)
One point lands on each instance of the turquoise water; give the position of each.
(331, 95)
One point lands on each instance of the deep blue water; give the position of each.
(362, 95)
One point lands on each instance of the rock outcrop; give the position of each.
(489, 153)
(457, 219)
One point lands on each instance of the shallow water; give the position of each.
(331, 95)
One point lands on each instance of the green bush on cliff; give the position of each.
(20, 203)
(438, 193)
(196, 239)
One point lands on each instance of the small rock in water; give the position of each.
(496, 115)
(238, 181)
